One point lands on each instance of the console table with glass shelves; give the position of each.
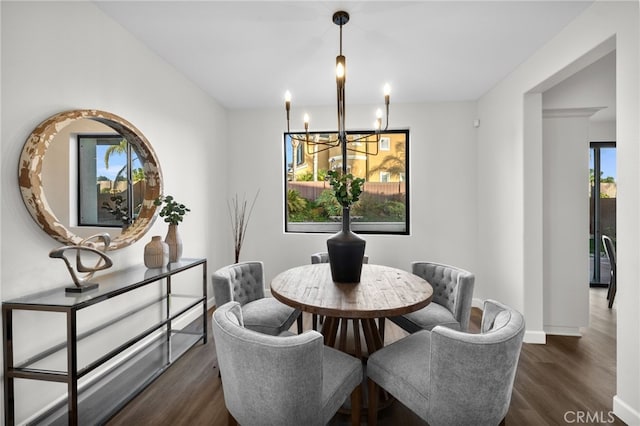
(145, 347)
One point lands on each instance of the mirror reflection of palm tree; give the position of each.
(116, 149)
(392, 163)
(121, 149)
(137, 175)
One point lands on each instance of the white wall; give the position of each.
(594, 86)
(502, 216)
(66, 55)
(442, 166)
(602, 131)
(565, 158)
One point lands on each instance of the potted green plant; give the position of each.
(346, 249)
(173, 213)
(346, 187)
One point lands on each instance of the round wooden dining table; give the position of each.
(382, 292)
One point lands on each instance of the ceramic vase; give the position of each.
(156, 253)
(174, 241)
(346, 252)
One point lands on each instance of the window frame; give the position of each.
(374, 228)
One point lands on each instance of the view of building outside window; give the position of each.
(381, 160)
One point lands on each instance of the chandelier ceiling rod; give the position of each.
(340, 18)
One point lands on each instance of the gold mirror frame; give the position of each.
(31, 185)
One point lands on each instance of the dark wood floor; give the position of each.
(555, 381)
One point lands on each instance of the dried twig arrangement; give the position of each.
(239, 220)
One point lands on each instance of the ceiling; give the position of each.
(245, 54)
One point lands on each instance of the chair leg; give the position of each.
(381, 328)
(299, 320)
(612, 290)
(356, 405)
(231, 421)
(314, 321)
(372, 413)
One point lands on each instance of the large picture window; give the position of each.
(310, 205)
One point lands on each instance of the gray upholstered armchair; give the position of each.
(452, 297)
(448, 377)
(281, 380)
(243, 282)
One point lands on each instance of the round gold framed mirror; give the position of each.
(51, 172)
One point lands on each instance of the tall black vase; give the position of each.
(346, 251)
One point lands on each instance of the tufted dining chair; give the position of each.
(610, 250)
(451, 303)
(282, 380)
(449, 377)
(323, 257)
(243, 282)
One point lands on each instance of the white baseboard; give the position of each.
(530, 336)
(562, 331)
(535, 337)
(624, 412)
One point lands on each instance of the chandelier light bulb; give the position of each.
(287, 105)
(386, 89)
(378, 113)
(340, 70)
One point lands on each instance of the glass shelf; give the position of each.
(100, 400)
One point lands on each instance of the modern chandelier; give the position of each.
(340, 18)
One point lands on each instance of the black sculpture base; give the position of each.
(346, 251)
(82, 288)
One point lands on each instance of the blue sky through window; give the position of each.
(116, 162)
(607, 162)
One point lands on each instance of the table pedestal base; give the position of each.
(373, 335)
(373, 340)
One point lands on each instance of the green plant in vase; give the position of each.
(346, 187)
(173, 213)
(346, 249)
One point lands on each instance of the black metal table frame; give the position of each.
(72, 375)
